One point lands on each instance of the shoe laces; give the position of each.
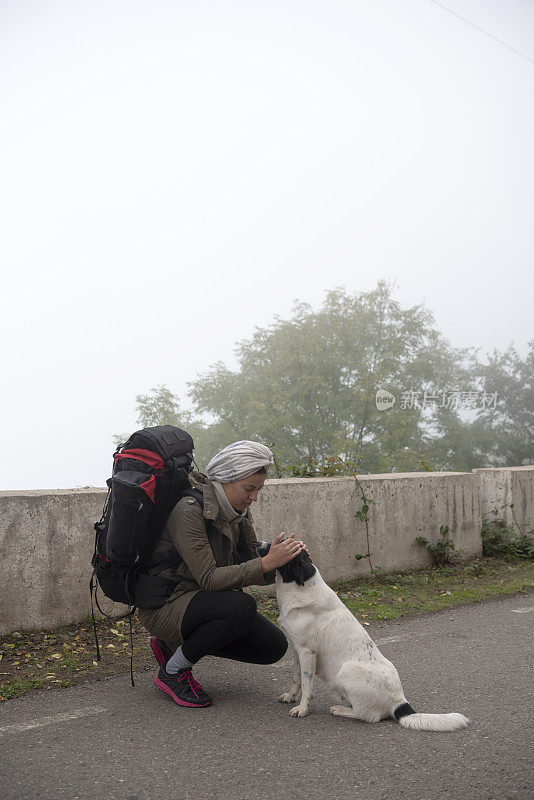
(187, 675)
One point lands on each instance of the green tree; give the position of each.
(502, 434)
(509, 427)
(161, 407)
(307, 385)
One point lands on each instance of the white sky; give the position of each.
(176, 173)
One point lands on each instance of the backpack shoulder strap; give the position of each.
(196, 493)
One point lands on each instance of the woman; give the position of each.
(214, 536)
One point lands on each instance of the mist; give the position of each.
(177, 174)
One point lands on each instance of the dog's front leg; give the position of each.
(291, 696)
(308, 661)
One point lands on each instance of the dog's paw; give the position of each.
(287, 697)
(299, 711)
(337, 711)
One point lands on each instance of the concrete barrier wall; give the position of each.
(47, 538)
(506, 486)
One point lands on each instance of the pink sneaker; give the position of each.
(160, 650)
(183, 688)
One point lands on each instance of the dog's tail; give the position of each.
(408, 718)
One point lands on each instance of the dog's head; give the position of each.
(298, 570)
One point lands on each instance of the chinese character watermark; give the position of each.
(445, 398)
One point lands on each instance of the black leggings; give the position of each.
(227, 624)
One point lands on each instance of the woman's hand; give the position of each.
(281, 552)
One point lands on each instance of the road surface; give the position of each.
(111, 741)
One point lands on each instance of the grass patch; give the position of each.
(18, 687)
(379, 597)
(65, 656)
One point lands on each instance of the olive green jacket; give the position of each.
(210, 546)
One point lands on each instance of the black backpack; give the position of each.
(150, 475)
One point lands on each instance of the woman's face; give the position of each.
(242, 493)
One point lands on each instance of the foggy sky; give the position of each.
(174, 174)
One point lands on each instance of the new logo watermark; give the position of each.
(384, 399)
(443, 398)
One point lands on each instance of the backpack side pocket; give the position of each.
(131, 508)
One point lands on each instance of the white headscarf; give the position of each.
(238, 461)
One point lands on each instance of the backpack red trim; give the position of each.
(149, 487)
(146, 456)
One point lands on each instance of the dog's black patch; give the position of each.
(403, 710)
(298, 570)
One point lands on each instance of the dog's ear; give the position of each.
(298, 570)
(263, 548)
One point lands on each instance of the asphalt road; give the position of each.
(111, 741)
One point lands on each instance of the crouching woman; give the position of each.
(209, 548)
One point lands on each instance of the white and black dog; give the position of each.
(328, 641)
